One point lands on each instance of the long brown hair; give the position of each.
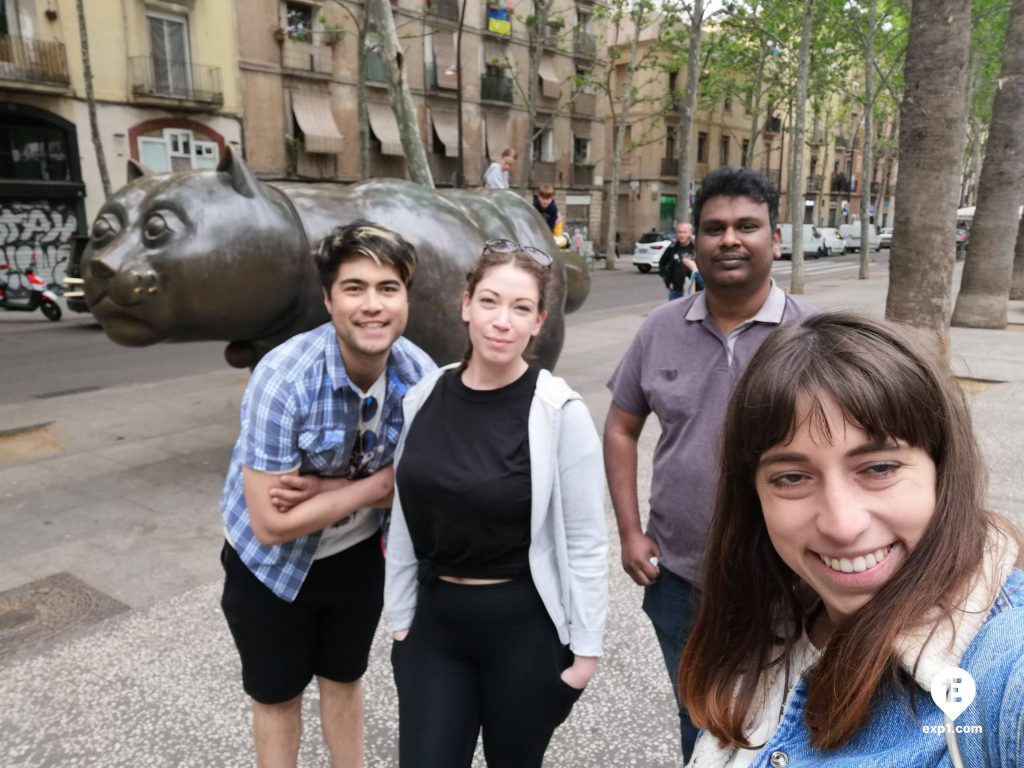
(752, 611)
(521, 260)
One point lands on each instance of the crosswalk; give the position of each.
(821, 267)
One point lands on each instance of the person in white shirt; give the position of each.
(496, 176)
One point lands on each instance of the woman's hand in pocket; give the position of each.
(579, 673)
(400, 635)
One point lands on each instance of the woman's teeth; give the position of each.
(857, 564)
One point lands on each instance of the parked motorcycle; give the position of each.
(29, 294)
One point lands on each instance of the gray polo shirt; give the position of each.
(681, 367)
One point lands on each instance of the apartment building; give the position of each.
(299, 67)
(165, 94)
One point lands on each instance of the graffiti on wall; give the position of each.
(39, 231)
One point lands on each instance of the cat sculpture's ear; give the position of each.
(242, 179)
(136, 170)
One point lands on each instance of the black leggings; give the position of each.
(480, 656)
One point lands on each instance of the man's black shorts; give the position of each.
(326, 632)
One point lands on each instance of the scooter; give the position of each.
(30, 297)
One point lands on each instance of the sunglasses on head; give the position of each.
(502, 245)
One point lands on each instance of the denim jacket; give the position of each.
(896, 737)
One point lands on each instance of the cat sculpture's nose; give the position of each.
(127, 286)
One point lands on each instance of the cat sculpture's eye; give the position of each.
(105, 228)
(159, 225)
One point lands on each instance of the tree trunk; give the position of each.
(620, 139)
(686, 114)
(795, 199)
(866, 158)
(90, 99)
(755, 107)
(401, 99)
(536, 29)
(933, 119)
(364, 117)
(988, 269)
(1017, 283)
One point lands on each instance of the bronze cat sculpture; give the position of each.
(203, 255)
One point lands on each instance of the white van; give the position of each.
(812, 244)
(851, 236)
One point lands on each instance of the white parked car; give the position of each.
(885, 237)
(649, 248)
(851, 237)
(812, 243)
(833, 241)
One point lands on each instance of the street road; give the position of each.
(45, 359)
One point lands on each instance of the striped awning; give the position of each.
(447, 127)
(551, 86)
(315, 118)
(385, 128)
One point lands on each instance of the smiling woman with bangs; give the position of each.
(851, 563)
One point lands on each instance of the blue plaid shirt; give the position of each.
(300, 413)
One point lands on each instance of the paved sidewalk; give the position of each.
(117, 490)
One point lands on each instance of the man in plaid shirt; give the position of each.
(309, 481)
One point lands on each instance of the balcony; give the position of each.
(154, 77)
(496, 88)
(444, 9)
(314, 55)
(36, 62)
(582, 175)
(499, 19)
(816, 137)
(773, 125)
(815, 183)
(543, 172)
(670, 167)
(585, 104)
(375, 72)
(584, 44)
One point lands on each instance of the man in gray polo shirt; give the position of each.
(682, 366)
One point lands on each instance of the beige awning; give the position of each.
(385, 128)
(497, 136)
(315, 118)
(581, 129)
(551, 86)
(444, 60)
(447, 127)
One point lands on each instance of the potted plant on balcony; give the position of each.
(330, 34)
(279, 34)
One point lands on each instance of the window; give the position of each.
(745, 148)
(702, 147)
(168, 50)
(30, 149)
(727, 104)
(723, 151)
(580, 151)
(299, 22)
(671, 153)
(177, 149)
(544, 146)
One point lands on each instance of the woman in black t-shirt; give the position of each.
(497, 563)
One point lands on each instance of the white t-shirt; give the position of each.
(364, 522)
(495, 177)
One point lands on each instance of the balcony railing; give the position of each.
(582, 175)
(169, 79)
(543, 172)
(33, 61)
(445, 9)
(815, 183)
(308, 56)
(670, 166)
(585, 104)
(584, 44)
(773, 125)
(496, 88)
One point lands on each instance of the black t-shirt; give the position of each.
(464, 480)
